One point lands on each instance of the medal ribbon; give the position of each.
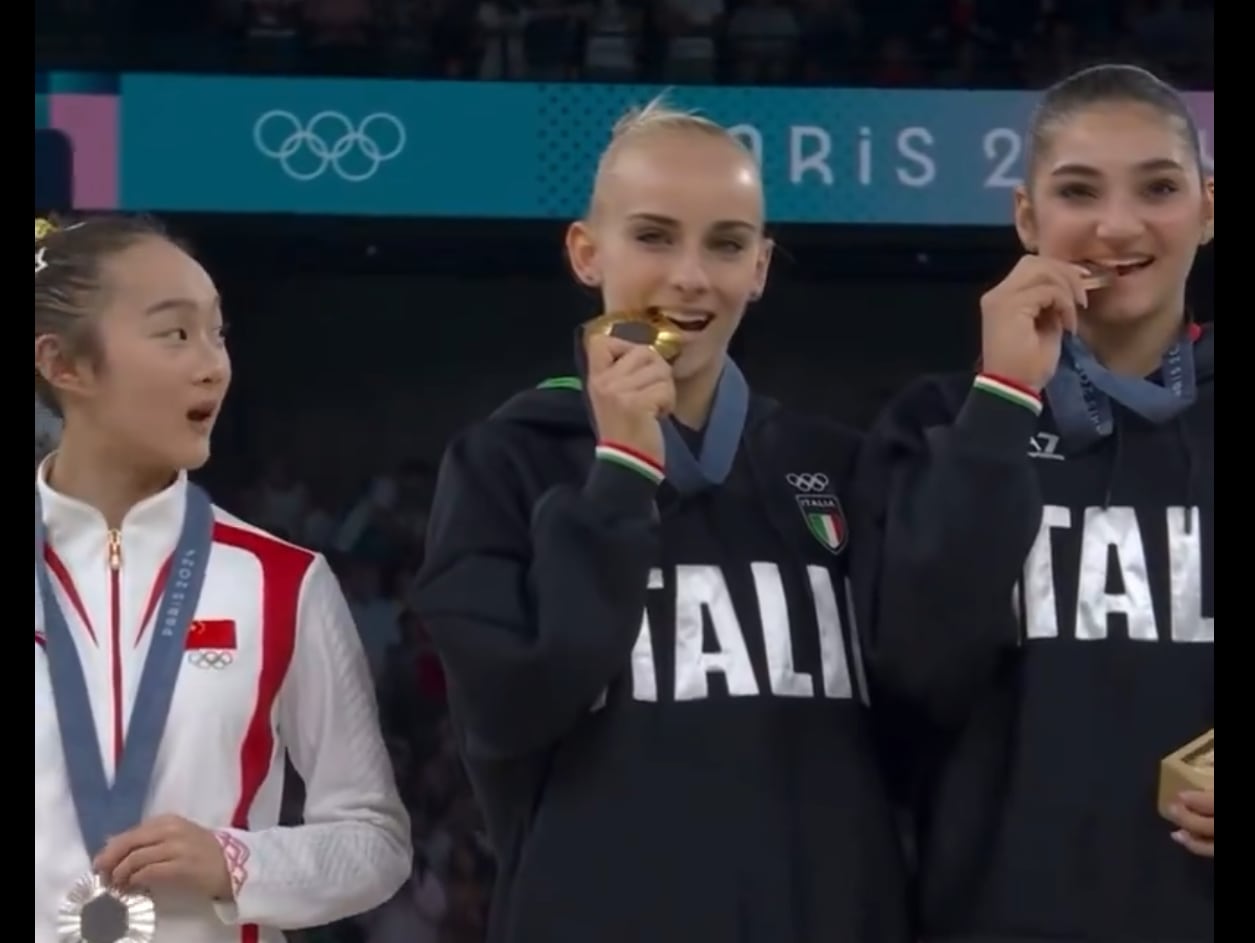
(104, 810)
(688, 473)
(1082, 389)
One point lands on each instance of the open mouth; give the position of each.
(201, 414)
(691, 322)
(1123, 267)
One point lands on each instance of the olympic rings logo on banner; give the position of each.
(808, 481)
(329, 141)
(208, 658)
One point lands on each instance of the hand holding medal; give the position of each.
(113, 905)
(1024, 318)
(94, 910)
(630, 389)
(166, 851)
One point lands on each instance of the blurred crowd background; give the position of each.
(906, 43)
(360, 345)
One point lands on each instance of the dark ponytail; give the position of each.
(1106, 84)
(68, 261)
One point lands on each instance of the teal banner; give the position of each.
(527, 151)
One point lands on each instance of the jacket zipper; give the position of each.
(115, 639)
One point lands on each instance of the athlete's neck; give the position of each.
(1135, 350)
(695, 395)
(86, 469)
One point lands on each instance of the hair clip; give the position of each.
(42, 228)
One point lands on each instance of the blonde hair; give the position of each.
(657, 115)
(654, 116)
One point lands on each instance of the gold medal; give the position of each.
(95, 913)
(648, 326)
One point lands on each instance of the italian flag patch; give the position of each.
(824, 520)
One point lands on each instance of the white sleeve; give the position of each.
(353, 851)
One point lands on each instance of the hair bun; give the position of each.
(42, 229)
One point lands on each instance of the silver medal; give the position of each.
(92, 912)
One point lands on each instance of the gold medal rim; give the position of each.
(666, 336)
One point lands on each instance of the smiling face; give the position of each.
(677, 223)
(1118, 185)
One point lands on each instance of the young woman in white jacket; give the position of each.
(180, 652)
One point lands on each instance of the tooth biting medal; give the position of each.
(648, 326)
(1097, 276)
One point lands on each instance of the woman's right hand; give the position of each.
(630, 388)
(1023, 319)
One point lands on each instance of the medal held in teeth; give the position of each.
(1103, 276)
(648, 326)
(1096, 276)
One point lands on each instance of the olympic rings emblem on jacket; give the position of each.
(808, 481)
(207, 658)
(329, 141)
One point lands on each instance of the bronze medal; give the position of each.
(1096, 276)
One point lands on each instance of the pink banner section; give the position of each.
(1203, 108)
(91, 124)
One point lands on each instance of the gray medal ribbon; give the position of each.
(1082, 390)
(104, 810)
(688, 473)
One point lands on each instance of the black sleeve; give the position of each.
(948, 507)
(533, 610)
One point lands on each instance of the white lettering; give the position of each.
(865, 156)
(832, 655)
(1044, 445)
(1114, 579)
(801, 161)
(908, 141)
(1040, 609)
(1107, 531)
(1003, 146)
(644, 672)
(702, 591)
(773, 611)
(1185, 562)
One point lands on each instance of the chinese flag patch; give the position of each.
(211, 634)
